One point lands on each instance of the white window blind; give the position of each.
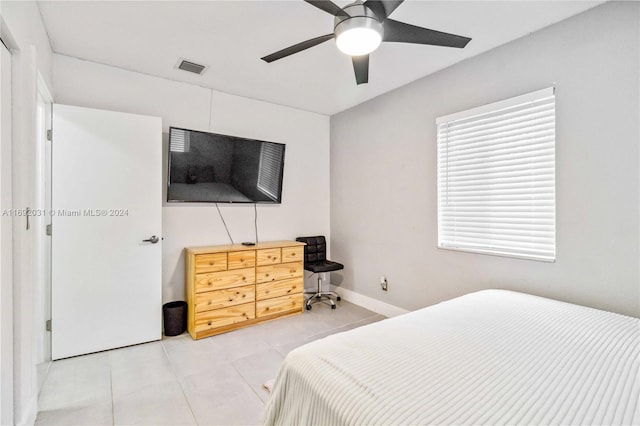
(496, 178)
(270, 169)
(179, 140)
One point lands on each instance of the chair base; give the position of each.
(321, 296)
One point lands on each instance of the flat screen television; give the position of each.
(213, 168)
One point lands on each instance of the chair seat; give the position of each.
(323, 266)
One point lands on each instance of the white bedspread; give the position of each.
(491, 357)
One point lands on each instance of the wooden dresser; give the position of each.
(233, 286)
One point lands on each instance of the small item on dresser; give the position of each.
(248, 243)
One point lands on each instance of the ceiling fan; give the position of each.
(359, 28)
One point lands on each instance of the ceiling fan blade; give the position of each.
(329, 7)
(407, 33)
(297, 48)
(383, 8)
(361, 68)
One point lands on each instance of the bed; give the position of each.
(491, 357)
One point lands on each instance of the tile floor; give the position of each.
(179, 381)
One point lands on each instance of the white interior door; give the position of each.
(107, 199)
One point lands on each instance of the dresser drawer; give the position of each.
(279, 288)
(224, 279)
(292, 254)
(278, 272)
(241, 259)
(279, 305)
(268, 256)
(210, 262)
(224, 317)
(226, 297)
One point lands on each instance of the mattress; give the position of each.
(491, 357)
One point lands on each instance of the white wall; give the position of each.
(305, 206)
(383, 171)
(22, 29)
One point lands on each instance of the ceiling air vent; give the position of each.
(191, 67)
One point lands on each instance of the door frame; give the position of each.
(42, 276)
(6, 285)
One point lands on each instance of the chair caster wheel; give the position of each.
(333, 306)
(308, 307)
(338, 298)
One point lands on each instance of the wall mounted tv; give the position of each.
(213, 168)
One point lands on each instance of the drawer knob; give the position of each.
(244, 278)
(266, 275)
(244, 295)
(212, 263)
(231, 299)
(209, 323)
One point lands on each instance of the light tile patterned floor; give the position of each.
(179, 381)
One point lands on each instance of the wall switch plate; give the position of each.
(383, 283)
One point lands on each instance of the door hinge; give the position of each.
(47, 325)
(50, 135)
(49, 229)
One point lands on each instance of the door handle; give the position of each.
(152, 240)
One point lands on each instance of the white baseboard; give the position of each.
(370, 303)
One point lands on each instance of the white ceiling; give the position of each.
(230, 37)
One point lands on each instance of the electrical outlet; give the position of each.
(383, 283)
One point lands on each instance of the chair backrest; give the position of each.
(315, 249)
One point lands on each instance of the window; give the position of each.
(496, 178)
(270, 170)
(179, 140)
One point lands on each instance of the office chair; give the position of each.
(315, 261)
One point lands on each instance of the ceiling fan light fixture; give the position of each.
(359, 35)
(358, 41)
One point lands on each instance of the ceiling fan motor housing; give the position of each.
(360, 16)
